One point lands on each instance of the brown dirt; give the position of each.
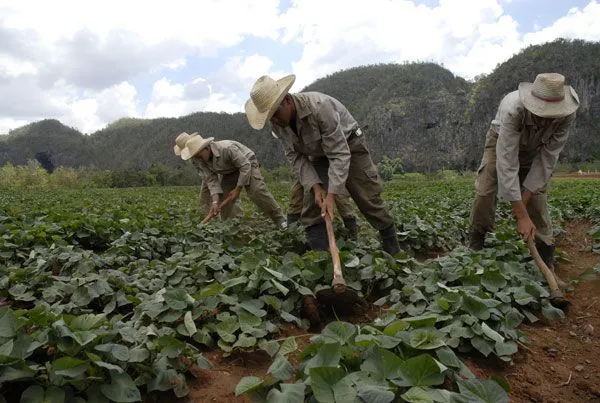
(560, 364)
(546, 370)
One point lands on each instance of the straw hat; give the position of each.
(548, 96)
(194, 145)
(265, 97)
(180, 142)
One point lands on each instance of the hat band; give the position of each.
(555, 99)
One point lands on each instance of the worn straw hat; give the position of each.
(194, 145)
(265, 97)
(180, 142)
(548, 96)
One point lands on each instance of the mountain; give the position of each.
(419, 112)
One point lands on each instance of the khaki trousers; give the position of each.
(486, 187)
(257, 192)
(363, 184)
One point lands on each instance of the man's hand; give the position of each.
(215, 209)
(524, 224)
(319, 194)
(327, 207)
(526, 197)
(526, 227)
(234, 194)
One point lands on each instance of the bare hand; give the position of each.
(234, 194)
(327, 207)
(526, 228)
(214, 210)
(319, 194)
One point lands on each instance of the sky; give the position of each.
(90, 63)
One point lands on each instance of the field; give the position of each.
(121, 295)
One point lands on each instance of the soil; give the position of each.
(560, 364)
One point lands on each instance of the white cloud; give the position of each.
(81, 62)
(577, 24)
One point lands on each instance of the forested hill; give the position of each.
(419, 112)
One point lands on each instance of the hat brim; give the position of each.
(258, 119)
(186, 154)
(546, 109)
(176, 149)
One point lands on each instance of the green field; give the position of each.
(111, 294)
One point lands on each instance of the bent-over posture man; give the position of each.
(205, 199)
(239, 169)
(522, 147)
(328, 153)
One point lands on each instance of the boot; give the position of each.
(292, 219)
(547, 254)
(476, 240)
(389, 240)
(351, 226)
(316, 235)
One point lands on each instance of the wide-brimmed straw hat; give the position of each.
(265, 97)
(194, 145)
(180, 142)
(548, 96)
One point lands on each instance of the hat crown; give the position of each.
(263, 92)
(182, 139)
(549, 87)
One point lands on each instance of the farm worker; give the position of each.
(521, 150)
(239, 169)
(205, 199)
(328, 153)
(342, 202)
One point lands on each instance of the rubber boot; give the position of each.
(292, 219)
(351, 226)
(389, 240)
(316, 236)
(547, 254)
(476, 240)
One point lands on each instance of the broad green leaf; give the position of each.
(426, 339)
(484, 391)
(245, 341)
(475, 307)
(281, 368)
(491, 333)
(16, 372)
(506, 348)
(551, 312)
(7, 322)
(421, 370)
(337, 332)
(86, 322)
(493, 280)
(178, 299)
(375, 394)
(190, 326)
(382, 363)
(210, 290)
(422, 321)
(396, 326)
(290, 393)
(447, 357)
(429, 395)
(328, 355)
(37, 394)
(322, 381)
(484, 346)
(69, 367)
(138, 354)
(121, 388)
(288, 345)
(248, 384)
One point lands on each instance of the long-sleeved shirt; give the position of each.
(323, 125)
(525, 140)
(228, 157)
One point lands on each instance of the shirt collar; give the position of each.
(302, 109)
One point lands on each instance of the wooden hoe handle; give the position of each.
(338, 283)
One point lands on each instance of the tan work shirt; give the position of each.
(522, 142)
(228, 157)
(323, 126)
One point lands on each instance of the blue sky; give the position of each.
(103, 61)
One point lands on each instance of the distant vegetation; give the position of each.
(418, 113)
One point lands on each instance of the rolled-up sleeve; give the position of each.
(335, 146)
(507, 156)
(242, 163)
(303, 169)
(212, 181)
(544, 162)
